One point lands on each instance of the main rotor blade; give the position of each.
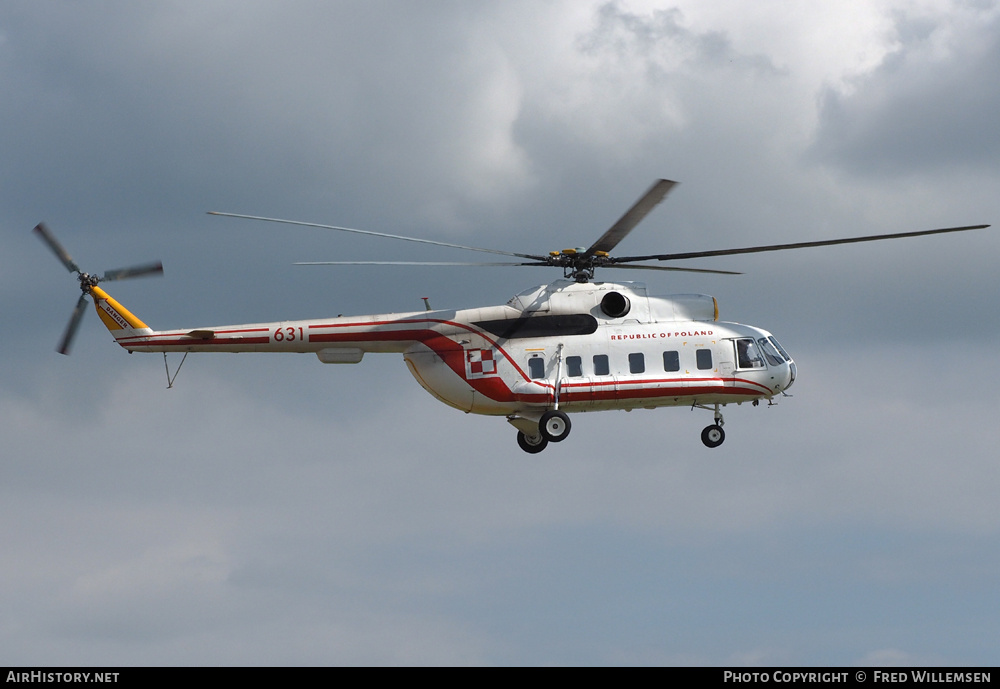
(796, 245)
(42, 230)
(155, 268)
(74, 323)
(640, 266)
(379, 234)
(408, 263)
(633, 216)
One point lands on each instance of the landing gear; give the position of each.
(713, 435)
(531, 444)
(554, 426)
(534, 433)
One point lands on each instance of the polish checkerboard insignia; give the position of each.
(479, 363)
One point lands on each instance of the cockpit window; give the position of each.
(781, 351)
(770, 353)
(747, 354)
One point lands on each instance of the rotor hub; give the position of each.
(87, 281)
(577, 265)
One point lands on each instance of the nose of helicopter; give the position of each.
(791, 374)
(783, 366)
(783, 377)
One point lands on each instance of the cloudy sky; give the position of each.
(269, 509)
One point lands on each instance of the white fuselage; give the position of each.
(574, 346)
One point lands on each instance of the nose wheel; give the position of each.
(713, 435)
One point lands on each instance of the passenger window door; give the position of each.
(574, 366)
(636, 363)
(601, 365)
(536, 366)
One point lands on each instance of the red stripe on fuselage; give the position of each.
(453, 354)
(423, 336)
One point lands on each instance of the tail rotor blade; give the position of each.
(87, 281)
(46, 235)
(73, 325)
(155, 268)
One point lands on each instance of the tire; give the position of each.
(713, 435)
(554, 426)
(529, 447)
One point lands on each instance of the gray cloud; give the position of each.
(930, 105)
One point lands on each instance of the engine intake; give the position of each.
(615, 304)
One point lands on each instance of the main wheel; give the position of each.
(554, 426)
(531, 445)
(713, 435)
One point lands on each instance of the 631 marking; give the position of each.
(288, 334)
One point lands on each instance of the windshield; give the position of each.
(777, 346)
(770, 352)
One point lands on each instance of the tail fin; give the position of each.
(116, 318)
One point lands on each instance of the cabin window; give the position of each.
(671, 361)
(574, 366)
(536, 366)
(601, 367)
(636, 363)
(747, 354)
(704, 359)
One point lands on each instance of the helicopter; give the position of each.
(573, 345)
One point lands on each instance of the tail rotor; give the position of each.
(87, 281)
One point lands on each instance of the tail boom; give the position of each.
(377, 333)
(390, 333)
